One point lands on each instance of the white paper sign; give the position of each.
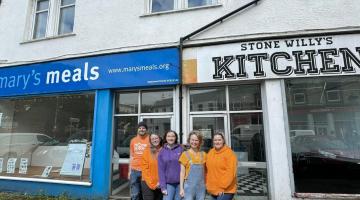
(11, 165)
(1, 164)
(1, 114)
(23, 165)
(74, 160)
(46, 171)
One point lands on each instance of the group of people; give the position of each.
(164, 169)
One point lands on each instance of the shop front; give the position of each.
(57, 118)
(289, 109)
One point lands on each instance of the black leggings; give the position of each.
(149, 194)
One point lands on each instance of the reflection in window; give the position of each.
(325, 134)
(245, 97)
(41, 17)
(127, 103)
(162, 5)
(202, 99)
(40, 129)
(67, 15)
(195, 3)
(157, 101)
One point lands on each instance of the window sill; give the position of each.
(181, 10)
(326, 196)
(45, 180)
(48, 38)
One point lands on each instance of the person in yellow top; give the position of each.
(221, 170)
(192, 173)
(150, 186)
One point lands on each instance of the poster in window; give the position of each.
(23, 165)
(74, 160)
(46, 171)
(10, 169)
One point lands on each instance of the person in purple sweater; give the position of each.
(169, 167)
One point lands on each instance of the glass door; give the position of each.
(208, 125)
(247, 141)
(158, 124)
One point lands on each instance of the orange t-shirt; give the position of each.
(137, 147)
(221, 167)
(149, 169)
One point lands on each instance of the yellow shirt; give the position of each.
(197, 158)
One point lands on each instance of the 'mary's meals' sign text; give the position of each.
(299, 57)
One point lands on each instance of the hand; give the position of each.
(182, 193)
(220, 194)
(129, 175)
(164, 192)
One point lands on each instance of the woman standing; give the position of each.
(221, 168)
(169, 166)
(150, 186)
(192, 184)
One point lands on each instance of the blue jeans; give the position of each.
(226, 196)
(135, 185)
(173, 191)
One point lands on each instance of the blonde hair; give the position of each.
(198, 134)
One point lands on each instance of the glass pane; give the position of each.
(245, 97)
(67, 2)
(195, 3)
(157, 101)
(208, 126)
(42, 5)
(126, 129)
(252, 184)
(247, 137)
(127, 103)
(162, 5)
(324, 123)
(38, 131)
(66, 23)
(158, 125)
(210, 99)
(40, 25)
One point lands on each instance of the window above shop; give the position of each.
(156, 6)
(50, 18)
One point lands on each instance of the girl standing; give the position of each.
(169, 167)
(192, 184)
(221, 168)
(150, 186)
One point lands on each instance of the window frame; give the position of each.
(179, 5)
(52, 21)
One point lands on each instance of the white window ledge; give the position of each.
(46, 181)
(326, 196)
(181, 10)
(48, 38)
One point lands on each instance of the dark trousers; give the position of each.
(149, 194)
(226, 196)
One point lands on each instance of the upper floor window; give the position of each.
(52, 17)
(167, 5)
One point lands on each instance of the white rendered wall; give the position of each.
(112, 25)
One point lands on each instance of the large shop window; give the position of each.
(324, 120)
(154, 107)
(46, 137)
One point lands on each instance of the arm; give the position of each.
(145, 167)
(161, 172)
(182, 179)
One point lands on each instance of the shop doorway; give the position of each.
(236, 111)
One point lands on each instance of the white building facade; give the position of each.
(279, 78)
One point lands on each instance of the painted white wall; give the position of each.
(113, 25)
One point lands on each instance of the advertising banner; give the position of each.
(141, 68)
(268, 59)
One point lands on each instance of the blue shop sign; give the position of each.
(141, 68)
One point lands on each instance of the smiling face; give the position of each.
(218, 142)
(194, 142)
(141, 130)
(170, 138)
(155, 140)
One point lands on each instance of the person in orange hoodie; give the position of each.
(150, 186)
(221, 170)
